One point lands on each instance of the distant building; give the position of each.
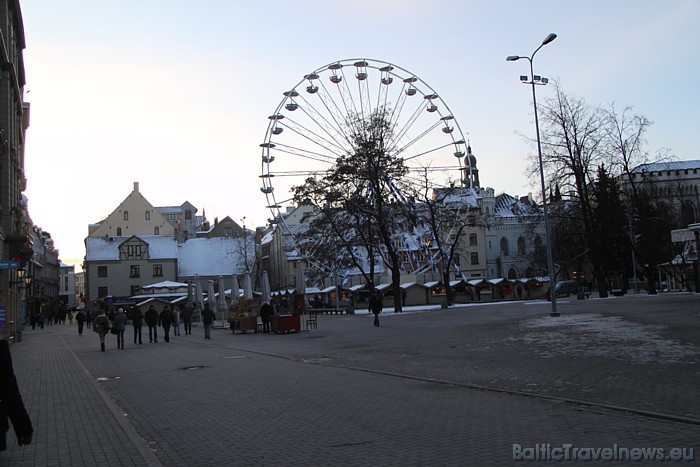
(66, 284)
(139, 244)
(673, 185)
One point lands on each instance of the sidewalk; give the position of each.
(352, 394)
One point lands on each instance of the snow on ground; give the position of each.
(597, 335)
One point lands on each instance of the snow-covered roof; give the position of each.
(165, 285)
(431, 284)
(665, 166)
(220, 256)
(382, 286)
(107, 248)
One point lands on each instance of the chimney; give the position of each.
(136, 187)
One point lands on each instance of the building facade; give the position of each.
(15, 224)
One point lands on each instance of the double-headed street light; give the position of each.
(533, 80)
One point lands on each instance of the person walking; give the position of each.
(120, 323)
(375, 306)
(137, 321)
(151, 319)
(266, 312)
(80, 318)
(165, 319)
(207, 320)
(186, 317)
(176, 320)
(11, 404)
(101, 326)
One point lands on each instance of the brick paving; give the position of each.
(351, 394)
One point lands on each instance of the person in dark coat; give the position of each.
(375, 306)
(151, 319)
(11, 404)
(207, 320)
(101, 326)
(137, 321)
(266, 311)
(80, 318)
(165, 319)
(186, 317)
(120, 324)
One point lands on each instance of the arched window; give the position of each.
(126, 215)
(504, 246)
(528, 272)
(119, 231)
(521, 246)
(512, 273)
(156, 230)
(688, 214)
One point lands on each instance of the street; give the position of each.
(469, 385)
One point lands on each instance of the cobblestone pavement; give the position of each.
(446, 387)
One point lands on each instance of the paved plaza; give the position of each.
(469, 385)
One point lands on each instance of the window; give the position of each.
(135, 289)
(101, 271)
(133, 251)
(148, 215)
(119, 231)
(102, 292)
(134, 270)
(504, 247)
(126, 215)
(188, 215)
(157, 270)
(475, 258)
(521, 246)
(472, 239)
(156, 230)
(65, 284)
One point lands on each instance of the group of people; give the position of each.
(167, 319)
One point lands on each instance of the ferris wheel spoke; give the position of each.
(330, 128)
(417, 139)
(318, 140)
(304, 153)
(428, 151)
(408, 124)
(335, 112)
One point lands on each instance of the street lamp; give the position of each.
(245, 244)
(533, 80)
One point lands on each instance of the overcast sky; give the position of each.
(175, 94)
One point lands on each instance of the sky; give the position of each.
(176, 94)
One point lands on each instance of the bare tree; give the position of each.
(572, 134)
(367, 186)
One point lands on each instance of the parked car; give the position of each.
(566, 288)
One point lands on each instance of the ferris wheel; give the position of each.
(311, 126)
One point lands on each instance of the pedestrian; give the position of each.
(266, 312)
(207, 320)
(165, 319)
(375, 306)
(151, 319)
(137, 321)
(186, 317)
(101, 326)
(120, 323)
(176, 320)
(80, 318)
(11, 404)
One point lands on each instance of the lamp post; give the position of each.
(245, 244)
(533, 80)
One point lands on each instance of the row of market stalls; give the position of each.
(331, 299)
